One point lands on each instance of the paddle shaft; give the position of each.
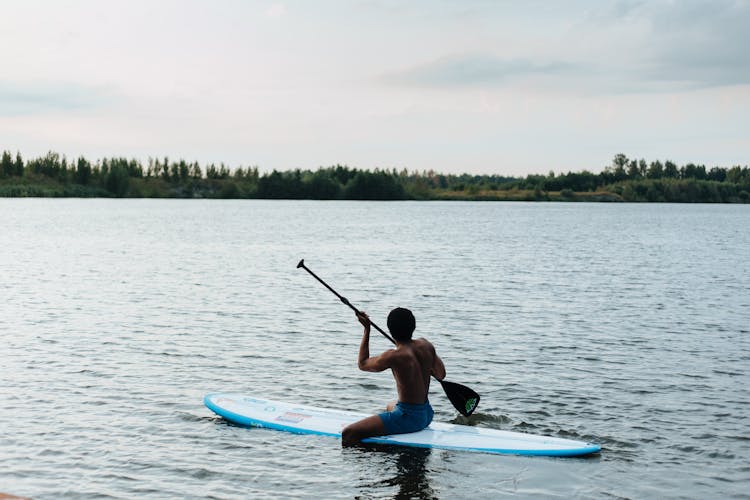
(342, 298)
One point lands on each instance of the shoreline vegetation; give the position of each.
(630, 180)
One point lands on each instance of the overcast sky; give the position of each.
(464, 86)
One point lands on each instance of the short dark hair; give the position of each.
(401, 324)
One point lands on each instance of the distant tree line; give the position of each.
(623, 180)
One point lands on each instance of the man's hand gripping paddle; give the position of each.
(463, 399)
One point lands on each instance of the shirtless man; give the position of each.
(412, 363)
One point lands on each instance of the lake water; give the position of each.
(625, 325)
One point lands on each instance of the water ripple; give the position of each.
(624, 325)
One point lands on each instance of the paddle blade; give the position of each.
(463, 399)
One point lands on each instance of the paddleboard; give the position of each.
(257, 412)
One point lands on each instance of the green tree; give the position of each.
(83, 171)
(223, 171)
(195, 171)
(342, 174)
(634, 171)
(152, 167)
(738, 175)
(374, 186)
(616, 171)
(19, 165)
(62, 175)
(174, 172)
(321, 186)
(278, 185)
(252, 175)
(670, 170)
(7, 168)
(184, 171)
(717, 174)
(165, 169)
(655, 170)
(692, 171)
(135, 169)
(642, 167)
(48, 165)
(582, 181)
(118, 181)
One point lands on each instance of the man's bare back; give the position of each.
(412, 366)
(412, 363)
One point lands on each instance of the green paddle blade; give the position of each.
(463, 399)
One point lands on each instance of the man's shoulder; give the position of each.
(423, 342)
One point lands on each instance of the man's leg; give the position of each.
(367, 427)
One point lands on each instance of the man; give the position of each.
(412, 363)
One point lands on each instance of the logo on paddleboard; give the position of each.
(291, 417)
(253, 400)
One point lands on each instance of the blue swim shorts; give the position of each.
(407, 417)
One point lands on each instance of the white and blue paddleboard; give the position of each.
(250, 411)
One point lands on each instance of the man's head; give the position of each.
(401, 324)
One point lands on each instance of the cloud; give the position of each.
(276, 10)
(18, 99)
(475, 70)
(624, 46)
(689, 44)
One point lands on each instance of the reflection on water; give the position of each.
(404, 469)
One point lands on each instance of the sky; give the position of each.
(476, 86)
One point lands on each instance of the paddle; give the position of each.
(463, 399)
